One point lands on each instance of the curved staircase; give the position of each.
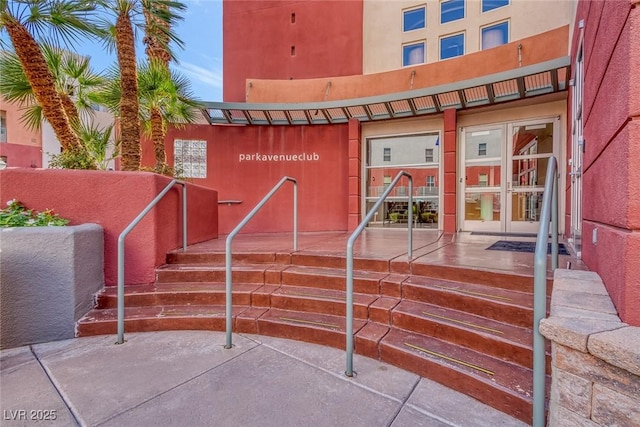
(466, 328)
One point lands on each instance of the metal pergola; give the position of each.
(521, 83)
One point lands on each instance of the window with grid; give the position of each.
(431, 182)
(190, 158)
(482, 149)
(428, 155)
(386, 155)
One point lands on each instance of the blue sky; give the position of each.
(201, 59)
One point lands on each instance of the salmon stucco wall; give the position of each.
(245, 162)
(113, 200)
(611, 178)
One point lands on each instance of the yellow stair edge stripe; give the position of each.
(451, 359)
(309, 322)
(462, 322)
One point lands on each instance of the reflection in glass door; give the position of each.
(504, 174)
(420, 156)
(482, 179)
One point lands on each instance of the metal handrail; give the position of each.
(549, 207)
(351, 241)
(127, 230)
(237, 230)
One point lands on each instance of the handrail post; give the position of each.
(228, 253)
(349, 288)
(184, 217)
(127, 230)
(549, 209)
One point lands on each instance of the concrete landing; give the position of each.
(187, 378)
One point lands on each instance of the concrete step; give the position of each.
(365, 282)
(497, 383)
(501, 340)
(503, 305)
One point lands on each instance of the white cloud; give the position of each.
(210, 77)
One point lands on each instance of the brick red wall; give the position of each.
(611, 177)
(113, 200)
(258, 38)
(323, 184)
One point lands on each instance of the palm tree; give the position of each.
(74, 81)
(24, 20)
(159, 18)
(128, 17)
(165, 98)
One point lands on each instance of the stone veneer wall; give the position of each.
(595, 357)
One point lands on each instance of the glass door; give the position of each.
(531, 146)
(503, 175)
(482, 178)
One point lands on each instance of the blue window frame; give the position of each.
(451, 46)
(451, 10)
(413, 54)
(414, 19)
(495, 35)
(488, 5)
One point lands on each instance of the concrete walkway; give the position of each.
(187, 378)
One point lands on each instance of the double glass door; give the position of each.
(503, 175)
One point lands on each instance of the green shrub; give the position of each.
(16, 215)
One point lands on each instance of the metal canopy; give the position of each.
(525, 82)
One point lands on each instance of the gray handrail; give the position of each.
(239, 227)
(127, 230)
(549, 207)
(351, 241)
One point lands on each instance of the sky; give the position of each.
(201, 59)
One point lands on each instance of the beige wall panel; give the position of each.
(383, 36)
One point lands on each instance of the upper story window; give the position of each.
(190, 157)
(482, 149)
(413, 54)
(386, 154)
(428, 155)
(452, 46)
(495, 35)
(3, 126)
(414, 19)
(488, 5)
(451, 10)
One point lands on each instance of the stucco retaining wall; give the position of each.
(48, 276)
(595, 356)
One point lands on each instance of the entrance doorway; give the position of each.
(503, 171)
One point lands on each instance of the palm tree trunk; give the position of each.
(157, 135)
(129, 125)
(42, 83)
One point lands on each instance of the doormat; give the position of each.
(505, 245)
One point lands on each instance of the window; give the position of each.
(451, 10)
(431, 181)
(3, 126)
(488, 5)
(414, 19)
(386, 157)
(483, 180)
(190, 158)
(482, 149)
(495, 35)
(452, 46)
(428, 155)
(413, 54)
